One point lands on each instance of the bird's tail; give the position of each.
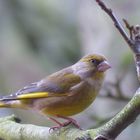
(6, 103)
(2, 104)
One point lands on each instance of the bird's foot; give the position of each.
(60, 125)
(51, 129)
(70, 121)
(55, 127)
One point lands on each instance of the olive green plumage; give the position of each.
(64, 93)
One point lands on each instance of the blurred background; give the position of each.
(39, 37)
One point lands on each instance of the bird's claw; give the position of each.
(54, 128)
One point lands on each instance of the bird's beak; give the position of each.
(103, 66)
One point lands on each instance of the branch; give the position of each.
(124, 118)
(111, 87)
(133, 41)
(116, 22)
(11, 130)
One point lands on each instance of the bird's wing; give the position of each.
(57, 84)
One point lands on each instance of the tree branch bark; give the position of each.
(11, 130)
(116, 22)
(124, 118)
(133, 40)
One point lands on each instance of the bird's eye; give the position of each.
(95, 62)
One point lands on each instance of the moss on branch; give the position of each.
(11, 130)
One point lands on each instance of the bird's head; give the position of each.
(91, 64)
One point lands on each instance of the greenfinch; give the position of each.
(64, 93)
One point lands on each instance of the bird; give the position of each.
(63, 93)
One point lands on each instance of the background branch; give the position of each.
(116, 21)
(123, 119)
(110, 88)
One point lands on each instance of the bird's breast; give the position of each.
(76, 101)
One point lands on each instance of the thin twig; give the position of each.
(133, 41)
(116, 22)
(130, 28)
(124, 118)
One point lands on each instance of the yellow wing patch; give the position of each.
(38, 95)
(33, 95)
